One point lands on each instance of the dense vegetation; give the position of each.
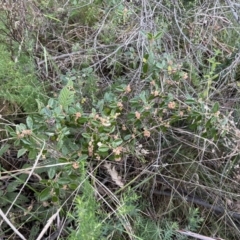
(119, 119)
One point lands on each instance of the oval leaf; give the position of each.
(83, 157)
(86, 135)
(51, 172)
(103, 149)
(29, 122)
(116, 143)
(215, 107)
(45, 194)
(21, 152)
(4, 148)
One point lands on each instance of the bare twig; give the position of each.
(49, 222)
(196, 235)
(235, 15)
(11, 225)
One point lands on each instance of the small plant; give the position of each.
(85, 12)
(17, 86)
(194, 220)
(86, 212)
(211, 75)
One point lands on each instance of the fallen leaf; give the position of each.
(114, 174)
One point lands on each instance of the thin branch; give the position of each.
(196, 235)
(230, 4)
(49, 222)
(11, 225)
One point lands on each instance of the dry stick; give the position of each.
(49, 222)
(198, 201)
(66, 55)
(236, 4)
(196, 235)
(38, 167)
(11, 225)
(18, 173)
(235, 15)
(100, 29)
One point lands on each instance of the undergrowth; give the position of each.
(125, 120)
(19, 86)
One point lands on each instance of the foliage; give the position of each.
(17, 85)
(194, 219)
(85, 13)
(110, 131)
(86, 209)
(136, 109)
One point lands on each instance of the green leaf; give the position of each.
(21, 152)
(145, 68)
(215, 107)
(149, 36)
(54, 199)
(29, 122)
(34, 231)
(4, 148)
(161, 65)
(11, 187)
(47, 112)
(51, 172)
(82, 119)
(17, 142)
(134, 100)
(50, 134)
(143, 96)
(45, 194)
(73, 186)
(20, 127)
(57, 111)
(65, 150)
(64, 180)
(40, 104)
(21, 200)
(127, 137)
(10, 130)
(66, 96)
(116, 143)
(51, 17)
(83, 157)
(59, 144)
(158, 35)
(72, 111)
(103, 149)
(86, 135)
(63, 160)
(51, 102)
